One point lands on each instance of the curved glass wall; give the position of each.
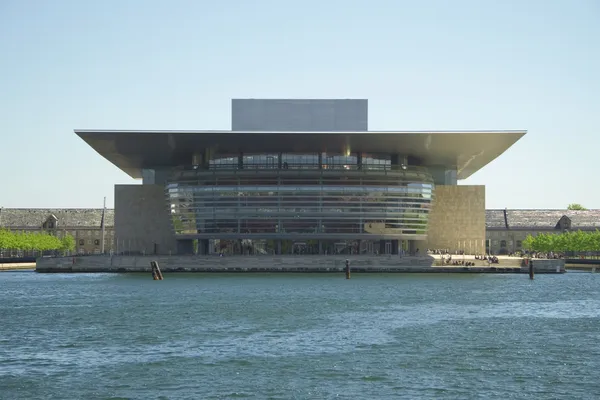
(300, 201)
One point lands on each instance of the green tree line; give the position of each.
(41, 241)
(577, 241)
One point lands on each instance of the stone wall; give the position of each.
(184, 263)
(142, 220)
(457, 219)
(541, 266)
(316, 263)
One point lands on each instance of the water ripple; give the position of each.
(104, 336)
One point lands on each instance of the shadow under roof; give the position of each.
(133, 150)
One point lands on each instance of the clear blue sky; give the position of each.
(423, 65)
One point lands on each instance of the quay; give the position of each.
(17, 266)
(583, 261)
(290, 263)
(583, 264)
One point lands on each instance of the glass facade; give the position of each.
(302, 161)
(296, 196)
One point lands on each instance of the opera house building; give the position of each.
(299, 177)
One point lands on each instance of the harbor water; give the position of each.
(299, 336)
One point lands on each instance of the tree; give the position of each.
(527, 244)
(28, 241)
(576, 207)
(577, 242)
(67, 243)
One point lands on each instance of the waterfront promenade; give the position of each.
(502, 260)
(287, 263)
(16, 266)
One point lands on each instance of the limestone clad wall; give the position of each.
(457, 218)
(142, 220)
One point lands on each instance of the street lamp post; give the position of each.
(102, 224)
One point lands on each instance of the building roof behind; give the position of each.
(494, 219)
(91, 217)
(66, 217)
(546, 219)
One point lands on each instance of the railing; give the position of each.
(18, 256)
(302, 166)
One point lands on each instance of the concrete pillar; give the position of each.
(148, 176)
(320, 247)
(185, 247)
(241, 161)
(207, 156)
(198, 159)
(398, 159)
(203, 246)
(239, 207)
(395, 246)
(382, 247)
(279, 247)
(412, 247)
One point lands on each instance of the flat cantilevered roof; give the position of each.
(133, 150)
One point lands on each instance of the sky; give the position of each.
(423, 65)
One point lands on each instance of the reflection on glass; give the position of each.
(301, 161)
(302, 204)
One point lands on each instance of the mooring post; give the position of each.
(531, 272)
(156, 273)
(347, 269)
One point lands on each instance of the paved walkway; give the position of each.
(503, 261)
(16, 266)
(470, 257)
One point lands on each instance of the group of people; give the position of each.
(460, 262)
(550, 255)
(445, 251)
(489, 259)
(438, 251)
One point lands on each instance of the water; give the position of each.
(299, 336)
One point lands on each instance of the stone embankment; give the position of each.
(423, 264)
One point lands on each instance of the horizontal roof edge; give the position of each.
(172, 131)
(133, 150)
